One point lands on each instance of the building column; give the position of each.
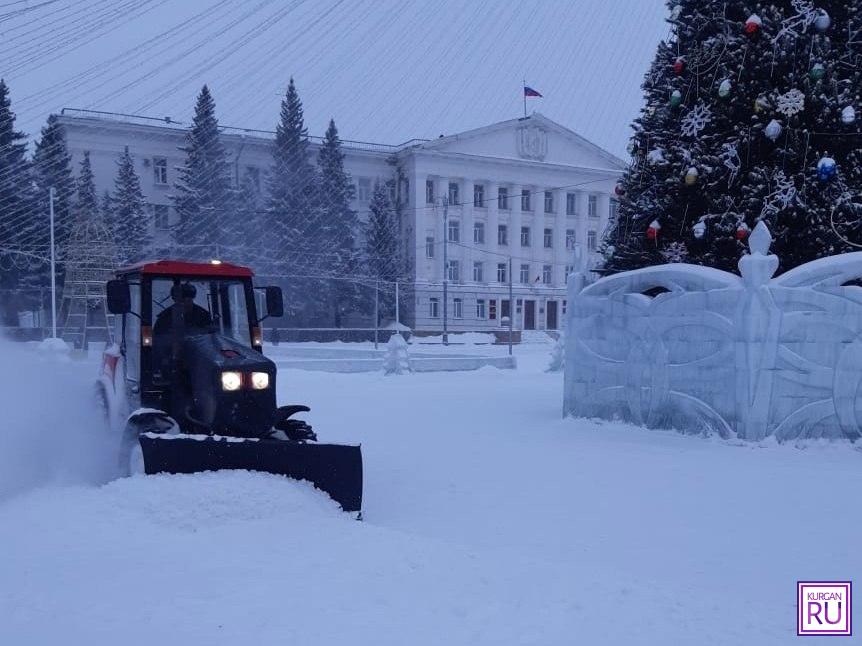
(467, 218)
(561, 256)
(441, 188)
(515, 219)
(493, 221)
(583, 225)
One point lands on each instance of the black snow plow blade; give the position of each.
(333, 468)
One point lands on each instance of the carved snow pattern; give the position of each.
(751, 355)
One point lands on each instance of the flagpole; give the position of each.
(524, 92)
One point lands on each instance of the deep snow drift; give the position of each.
(489, 520)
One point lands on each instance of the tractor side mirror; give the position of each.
(274, 302)
(119, 297)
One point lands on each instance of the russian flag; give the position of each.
(528, 91)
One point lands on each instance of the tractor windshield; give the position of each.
(213, 305)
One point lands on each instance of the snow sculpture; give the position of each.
(558, 354)
(396, 360)
(703, 350)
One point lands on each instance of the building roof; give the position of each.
(214, 268)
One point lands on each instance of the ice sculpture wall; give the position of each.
(698, 349)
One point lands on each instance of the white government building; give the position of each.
(527, 191)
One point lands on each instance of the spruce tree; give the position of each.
(292, 209)
(203, 197)
(51, 169)
(130, 218)
(747, 107)
(381, 246)
(87, 204)
(337, 228)
(15, 205)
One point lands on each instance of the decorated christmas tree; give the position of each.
(750, 114)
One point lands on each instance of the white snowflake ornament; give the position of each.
(791, 102)
(675, 252)
(696, 120)
(772, 130)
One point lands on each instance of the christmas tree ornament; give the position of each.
(724, 89)
(742, 231)
(772, 130)
(791, 102)
(822, 21)
(679, 66)
(696, 120)
(619, 190)
(817, 72)
(656, 156)
(848, 115)
(691, 176)
(752, 25)
(761, 103)
(826, 168)
(699, 229)
(675, 99)
(730, 158)
(653, 229)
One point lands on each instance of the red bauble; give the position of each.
(652, 231)
(742, 231)
(679, 66)
(752, 25)
(619, 190)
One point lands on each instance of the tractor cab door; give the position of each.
(130, 339)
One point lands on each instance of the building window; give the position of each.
(613, 207)
(161, 216)
(478, 195)
(453, 193)
(525, 273)
(502, 235)
(492, 309)
(503, 198)
(434, 308)
(564, 307)
(549, 202)
(592, 206)
(519, 306)
(429, 246)
(570, 269)
(479, 272)
(429, 191)
(546, 274)
(571, 203)
(363, 191)
(570, 239)
(160, 170)
(592, 240)
(525, 200)
(458, 308)
(505, 311)
(454, 231)
(454, 271)
(480, 309)
(548, 238)
(501, 273)
(478, 233)
(525, 236)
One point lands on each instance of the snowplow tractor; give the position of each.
(188, 388)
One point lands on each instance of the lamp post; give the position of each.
(53, 267)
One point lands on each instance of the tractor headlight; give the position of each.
(231, 381)
(260, 380)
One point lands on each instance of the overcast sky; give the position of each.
(385, 70)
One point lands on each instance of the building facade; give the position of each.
(524, 200)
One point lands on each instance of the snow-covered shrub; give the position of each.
(396, 360)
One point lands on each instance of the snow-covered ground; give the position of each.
(488, 520)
